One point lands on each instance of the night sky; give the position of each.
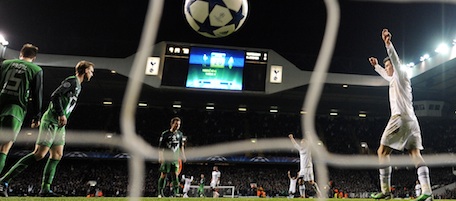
(292, 28)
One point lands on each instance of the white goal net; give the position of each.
(140, 151)
(322, 157)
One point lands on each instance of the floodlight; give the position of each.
(442, 48)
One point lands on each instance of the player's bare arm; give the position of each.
(292, 139)
(184, 158)
(160, 156)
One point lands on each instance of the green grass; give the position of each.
(180, 199)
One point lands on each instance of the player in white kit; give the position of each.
(402, 131)
(292, 188)
(305, 163)
(187, 183)
(215, 181)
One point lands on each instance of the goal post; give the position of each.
(224, 191)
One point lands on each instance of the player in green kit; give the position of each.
(201, 186)
(20, 80)
(171, 148)
(52, 130)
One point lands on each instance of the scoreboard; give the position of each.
(214, 68)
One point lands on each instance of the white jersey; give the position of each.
(305, 163)
(187, 183)
(403, 130)
(215, 180)
(305, 157)
(292, 188)
(400, 89)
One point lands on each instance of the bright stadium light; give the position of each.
(3, 41)
(442, 48)
(142, 104)
(274, 109)
(425, 57)
(242, 108)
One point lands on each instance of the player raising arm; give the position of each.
(402, 131)
(187, 183)
(305, 163)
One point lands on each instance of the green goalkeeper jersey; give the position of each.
(20, 81)
(63, 99)
(171, 143)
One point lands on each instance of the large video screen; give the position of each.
(215, 68)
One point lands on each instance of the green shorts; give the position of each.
(169, 166)
(9, 128)
(51, 134)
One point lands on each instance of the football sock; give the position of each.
(20, 166)
(48, 174)
(2, 161)
(425, 181)
(315, 186)
(161, 185)
(176, 185)
(385, 179)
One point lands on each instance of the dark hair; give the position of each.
(82, 65)
(386, 59)
(175, 119)
(29, 51)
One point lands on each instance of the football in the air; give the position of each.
(215, 18)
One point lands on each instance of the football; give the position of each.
(215, 18)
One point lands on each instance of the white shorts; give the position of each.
(402, 133)
(186, 188)
(214, 184)
(307, 174)
(292, 189)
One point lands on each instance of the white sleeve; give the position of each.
(382, 72)
(296, 145)
(394, 57)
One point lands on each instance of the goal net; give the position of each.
(140, 151)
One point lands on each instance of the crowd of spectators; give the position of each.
(73, 176)
(340, 134)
